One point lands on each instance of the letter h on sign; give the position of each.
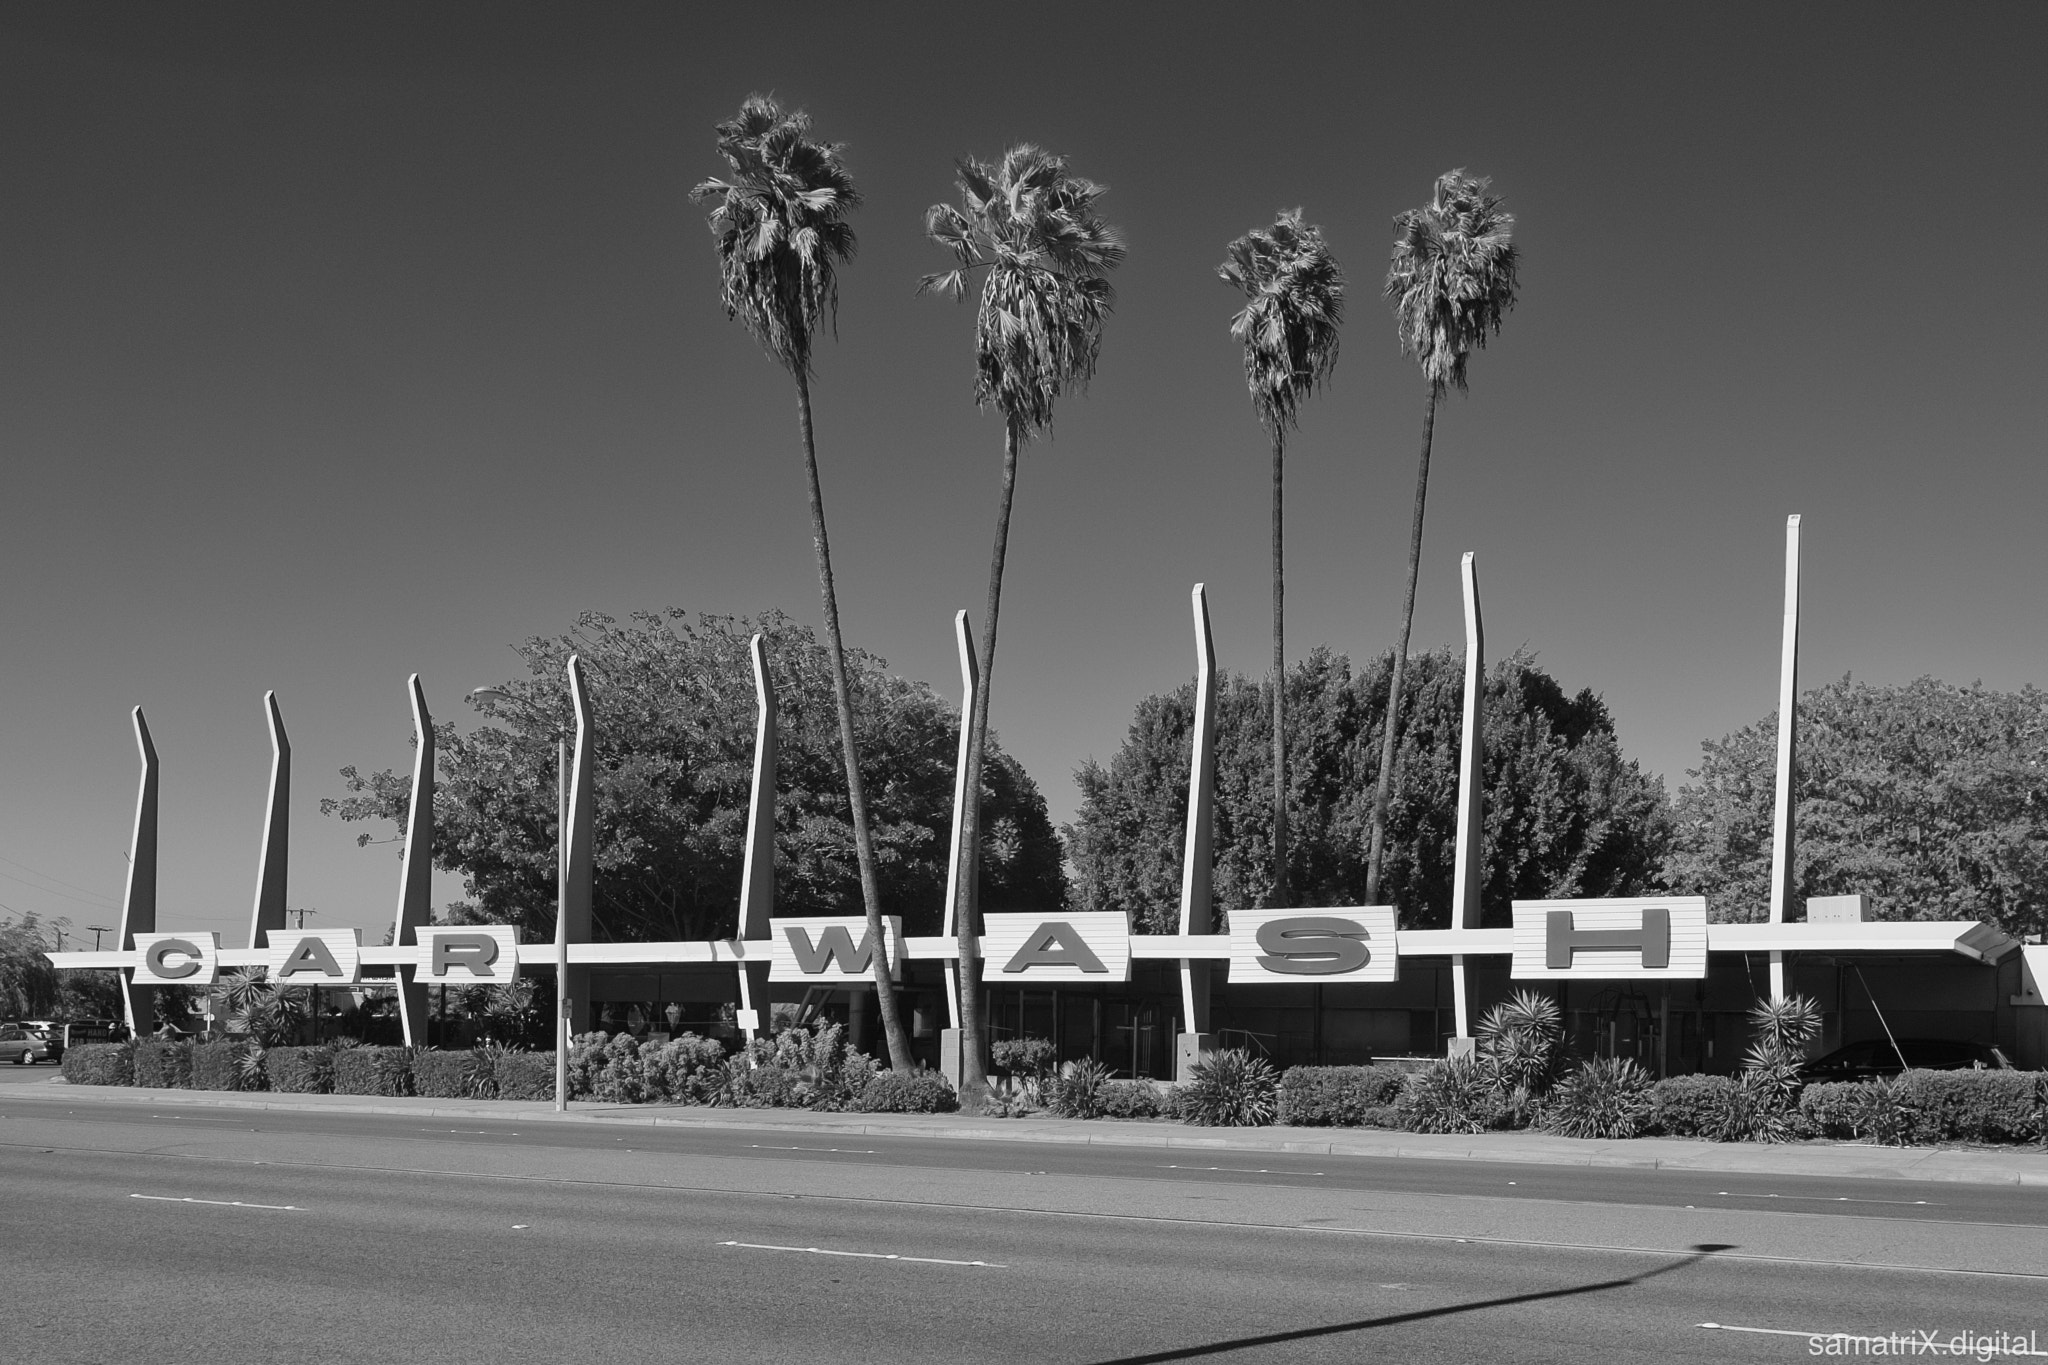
(1561, 940)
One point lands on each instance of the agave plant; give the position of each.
(1607, 1097)
(1230, 1088)
(1078, 1092)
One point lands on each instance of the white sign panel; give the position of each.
(1030, 950)
(831, 950)
(484, 954)
(1642, 938)
(1307, 947)
(178, 959)
(332, 957)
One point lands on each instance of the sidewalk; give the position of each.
(2026, 1166)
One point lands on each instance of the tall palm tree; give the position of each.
(1294, 301)
(782, 234)
(1452, 280)
(1034, 228)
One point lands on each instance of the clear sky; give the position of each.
(342, 341)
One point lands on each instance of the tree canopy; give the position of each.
(673, 703)
(1294, 304)
(1932, 798)
(1566, 814)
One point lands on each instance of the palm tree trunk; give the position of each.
(1279, 896)
(1391, 732)
(973, 1076)
(856, 795)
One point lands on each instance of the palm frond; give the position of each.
(781, 227)
(1452, 277)
(1294, 304)
(1038, 328)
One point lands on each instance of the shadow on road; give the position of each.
(1699, 1253)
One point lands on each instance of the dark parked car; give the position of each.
(1878, 1057)
(26, 1046)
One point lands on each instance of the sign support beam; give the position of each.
(1782, 822)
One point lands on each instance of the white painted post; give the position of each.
(959, 975)
(1198, 870)
(271, 862)
(757, 878)
(416, 869)
(138, 906)
(1470, 868)
(1782, 832)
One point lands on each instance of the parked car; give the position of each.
(25, 1046)
(92, 1031)
(1878, 1057)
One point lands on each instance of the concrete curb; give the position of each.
(2006, 1166)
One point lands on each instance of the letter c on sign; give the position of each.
(172, 947)
(1312, 945)
(474, 952)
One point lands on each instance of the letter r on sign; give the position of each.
(473, 953)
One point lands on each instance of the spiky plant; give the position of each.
(1607, 1097)
(1294, 302)
(782, 230)
(1230, 1088)
(1452, 280)
(1033, 227)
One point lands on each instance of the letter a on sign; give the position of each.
(328, 958)
(1029, 949)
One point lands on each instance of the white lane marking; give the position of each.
(224, 1203)
(517, 1226)
(468, 1132)
(1245, 1170)
(844, 1151)
(1910, 1337)
(863, 1255)
(1829, 1199)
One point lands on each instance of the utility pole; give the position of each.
(97, 930)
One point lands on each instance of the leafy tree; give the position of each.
(673, 701)
(28, 983)
(1294, 301)
(782, 235)
(1930, 797)
(1034, 228)
(1566, 814)
(1452, 279)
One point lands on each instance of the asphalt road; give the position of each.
(134, 1233)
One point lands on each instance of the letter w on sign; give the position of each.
(840, 950)
(834, 945)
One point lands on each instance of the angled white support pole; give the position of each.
(1783, 839)
(1470, 868)
(961, 895)
(276, 854)
(1198, 861)
(956, 862)
(757, 880)
(138, 906)
(416, 871)
(579, 868)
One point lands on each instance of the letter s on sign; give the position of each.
(1313, 945)
(172, 947)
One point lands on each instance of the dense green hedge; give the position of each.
(1931, 1106)
(908, 1092)
(373, 1071)
(525, 1075)
(1336, 1096)
(1693, 1106)
(215, 1065)
(300, 1070)
(100, 1064)
(163, 1064)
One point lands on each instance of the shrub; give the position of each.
(1022, 1057)
(373, 1071)
(1691, 1106)
(163, 1064)
(908, 1092)
(1131, 1100)
(1518, 1050)
(441, 1073)
(1835, 1109)
(1971, 1106)
(1335, 1096)
(1453, 1095)
(526, 1076)
(100, 1064)
(215, 1065)
(684, 1070)
(1077, 1090)
(300, 1070)
(1380, 1116)
(1230, 1088)
(1607, 1097)
(623, 1079)
(586, 1063)
(480, 1067)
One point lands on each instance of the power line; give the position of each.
(47, 877)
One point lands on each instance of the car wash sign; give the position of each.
(1313, 947)
(487, 954)
(831, 950)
